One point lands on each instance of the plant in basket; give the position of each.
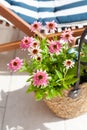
(52, 64)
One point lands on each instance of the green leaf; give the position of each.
(31, 89)
(49, 96)
(69, 76)
(65, 85)
(23, 69)
(29, 79)
(51, 93)
(59, 93)
(72, 71)
(72, 81)
(39, 95)
(59, 74)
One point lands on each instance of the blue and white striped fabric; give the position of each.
(64, 12)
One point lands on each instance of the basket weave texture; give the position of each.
(66, 107)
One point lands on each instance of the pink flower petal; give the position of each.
(54, 47)
(40, 78)
(36, 26)
(26, 42)
(15, 64)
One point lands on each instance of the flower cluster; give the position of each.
(52, 66)
(50, 26)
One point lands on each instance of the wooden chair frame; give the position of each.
(25, 27)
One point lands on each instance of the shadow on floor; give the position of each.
(24, 113)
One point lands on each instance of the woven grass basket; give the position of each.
(70, 106)
(66, 107)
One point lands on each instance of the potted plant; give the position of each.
(52, 67)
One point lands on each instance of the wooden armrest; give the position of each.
(9, 46)
(16, 45)
(17, 21)
(14, 19)
(76, 33)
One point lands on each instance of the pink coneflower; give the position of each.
(15, 64)
(26, 42)
(68, 64)
(36, 26)
(40, 78)
(51, 25)
(35, 43)
(63, 41)
(39, 57)
(67, 35)
(54, 47)
(34, 51)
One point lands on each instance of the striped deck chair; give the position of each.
(22, 13)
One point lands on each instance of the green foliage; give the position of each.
(84, 52)
(61, 77)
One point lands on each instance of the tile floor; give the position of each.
(20, 111)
